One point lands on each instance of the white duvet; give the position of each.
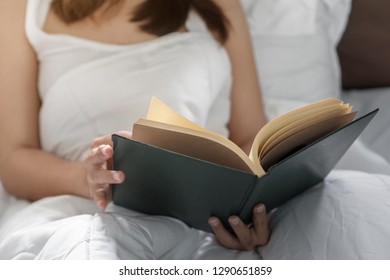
(346, 217)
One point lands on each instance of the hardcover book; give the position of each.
(177, 168)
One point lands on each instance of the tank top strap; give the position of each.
(36, 14)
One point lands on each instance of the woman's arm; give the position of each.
(25, 170)
(247, 115)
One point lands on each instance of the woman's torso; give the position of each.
(91, 86)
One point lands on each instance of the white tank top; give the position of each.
(89, 89)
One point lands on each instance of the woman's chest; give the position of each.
(116, 29)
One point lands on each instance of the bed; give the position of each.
(300, 48)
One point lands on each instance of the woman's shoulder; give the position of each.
(12, 9)
(12, 4)
(12, 13)
(26, 14)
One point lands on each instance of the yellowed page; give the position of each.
(303, 138)
(329, 112)
(278, 123)
(160, 112)
(209, 147)
(161, 117)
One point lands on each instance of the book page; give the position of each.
(160, 112)
(329, 112)
(193, 143)
(297, 115)
(167, 129)
(303, 138)
(162, 116)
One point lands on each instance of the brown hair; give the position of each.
(157, 17)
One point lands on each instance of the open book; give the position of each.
(165, 128)
(177, 168)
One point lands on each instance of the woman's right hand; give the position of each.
(98, 164)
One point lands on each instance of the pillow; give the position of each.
(295, 48)
(364, 48)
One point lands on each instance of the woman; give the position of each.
(60, 70)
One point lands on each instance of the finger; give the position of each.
(260, 221)
(224, 237)
(105, 177)
(99, 155)
(243, 233)
(107, 140)
(103, 140)
(101, 197)
(124, 133)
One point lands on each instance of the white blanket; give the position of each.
(67, 227)
(343, 218)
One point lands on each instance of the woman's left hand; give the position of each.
(99, 173)
(247, 236)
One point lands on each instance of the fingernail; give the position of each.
(117, 177)
(213, 222)
(260, 208)
(234, 220)
(101, 204)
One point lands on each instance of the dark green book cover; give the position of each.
(161, 182)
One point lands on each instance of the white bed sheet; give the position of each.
(370, 153)
(346, 217)
(377, 134)
(68, 227)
